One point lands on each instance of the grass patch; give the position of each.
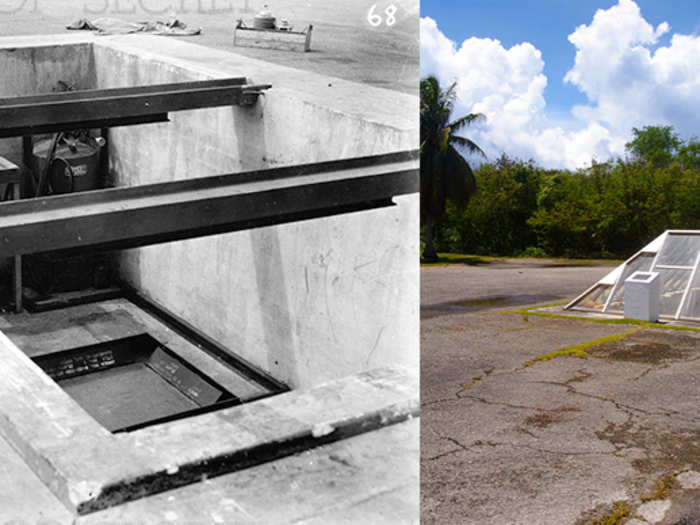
(445, 258)
(460, 258)
(529, 309)
(488, 301)
(532, 310)
(619, 515)
(663, 485)
(579, 350)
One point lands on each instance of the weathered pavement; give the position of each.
(558, 441)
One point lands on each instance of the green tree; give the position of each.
(444, 174)
(689, 154)
(655, 144)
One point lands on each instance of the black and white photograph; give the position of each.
(209, 275)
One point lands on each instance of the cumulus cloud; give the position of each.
(628, 78)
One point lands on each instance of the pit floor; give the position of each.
(505, 439)
(55, 330)
(125, 395)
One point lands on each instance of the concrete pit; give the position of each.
(319, 305)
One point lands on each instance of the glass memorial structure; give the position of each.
(675, 256)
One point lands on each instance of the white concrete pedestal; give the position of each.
(642, 296)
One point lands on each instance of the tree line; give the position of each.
(609, 209)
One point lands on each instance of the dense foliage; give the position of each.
(607, 210)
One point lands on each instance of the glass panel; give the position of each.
(679, 250)
(595, 299)
(691, 309)
(673, 283)
(640, 264)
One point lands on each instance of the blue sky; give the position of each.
(618, 52)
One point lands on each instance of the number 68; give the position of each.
(375, 20)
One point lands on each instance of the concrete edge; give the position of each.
(389, 108)
(89, 469)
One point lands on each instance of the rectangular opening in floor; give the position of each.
(133, 382)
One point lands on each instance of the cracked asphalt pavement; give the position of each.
(558, 441)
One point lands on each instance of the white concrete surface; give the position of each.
(643, 296)
(689, 480)
(654, 511)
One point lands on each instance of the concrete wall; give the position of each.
(28, 68)
(308, 301)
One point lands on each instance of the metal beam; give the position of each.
(127, 217)
(83, 124)
(118, 106)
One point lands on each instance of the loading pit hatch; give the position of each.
(133, 382)
(128, 217)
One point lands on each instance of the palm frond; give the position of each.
(468, 144)
(466, 120)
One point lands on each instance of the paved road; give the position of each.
(503, 283)
(558, 441)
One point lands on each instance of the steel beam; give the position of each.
(128, 217)
(118, 106)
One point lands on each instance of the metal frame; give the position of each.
(97, 108)
(10, 175)
(204, 342)
(128, 217)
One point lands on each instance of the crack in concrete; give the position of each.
(481, 443)
(451, 440)
(622, 406)
(502, 403)
(436, 401)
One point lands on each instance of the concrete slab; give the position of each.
(24, 499)
(560, 440)
(370, 478)
(499, 284)
(88, 468)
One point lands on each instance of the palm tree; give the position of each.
(444, 174)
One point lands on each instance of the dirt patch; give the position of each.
(544, 418)
(652, 353)
(481, 303)
(648, 346)
(665, 451)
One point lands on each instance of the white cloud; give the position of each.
(628, 79)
